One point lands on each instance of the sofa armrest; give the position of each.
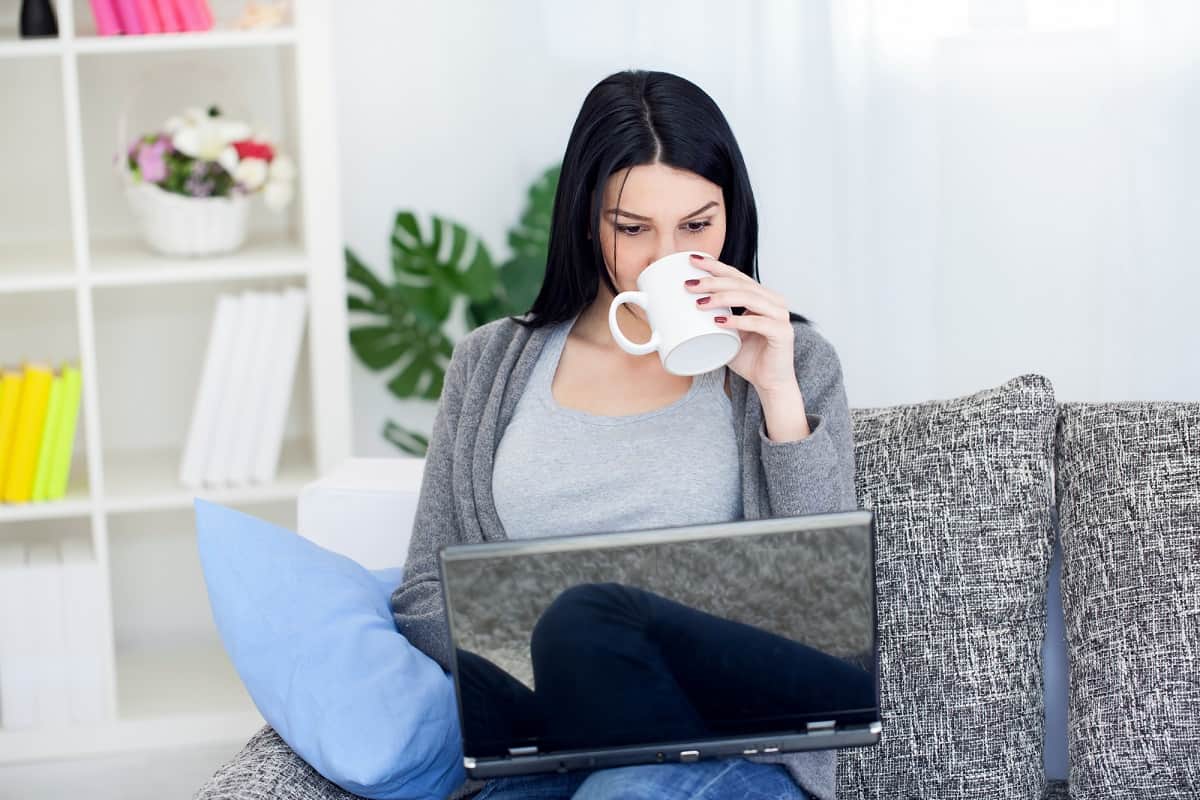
(364, 509)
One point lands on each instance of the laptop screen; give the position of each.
(685, 634)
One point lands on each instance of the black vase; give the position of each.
(37, 19)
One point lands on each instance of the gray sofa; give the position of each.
(978, 499)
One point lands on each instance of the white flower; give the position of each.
(207, 137)
(229, 159)
(278, 194)
(283, 169)
(251, 173)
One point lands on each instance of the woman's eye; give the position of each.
(630, 230)
(697, 225)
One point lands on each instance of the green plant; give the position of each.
(403, 320)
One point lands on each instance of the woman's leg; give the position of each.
(550, 786)
(704, 780)
(601, 681)
(496, 706)
(614, 660)
(732, 670)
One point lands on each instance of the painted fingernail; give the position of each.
(720, 319)
(697, 256)
(692, 282)
(703, 300)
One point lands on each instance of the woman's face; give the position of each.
(663, 210)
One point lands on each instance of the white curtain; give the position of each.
(958, 191)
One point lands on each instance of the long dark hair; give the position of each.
(629, 119)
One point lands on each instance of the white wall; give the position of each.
(958, 191)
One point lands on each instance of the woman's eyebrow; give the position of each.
(702, 209)
(698, 211)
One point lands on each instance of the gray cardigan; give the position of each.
(487, 373)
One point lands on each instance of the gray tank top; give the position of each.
(560, 471)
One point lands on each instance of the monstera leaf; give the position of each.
(400, 334)
(402, 322)
(451, 262)
(521, 275)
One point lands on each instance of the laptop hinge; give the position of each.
(821, 727)
(523, 751)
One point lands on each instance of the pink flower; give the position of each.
(151, 162)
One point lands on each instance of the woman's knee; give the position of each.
(583, 610)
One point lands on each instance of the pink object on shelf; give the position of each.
(131, 23)
(167, 16)
(149, 16)
(105, 16)
(189, 15)
(205, 14)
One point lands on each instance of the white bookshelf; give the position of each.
(76, 284)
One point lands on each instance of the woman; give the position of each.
(545, 426)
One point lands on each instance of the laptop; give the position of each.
(665, 645)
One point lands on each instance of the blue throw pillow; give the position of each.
(311, 635)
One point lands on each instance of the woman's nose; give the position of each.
(672, 243)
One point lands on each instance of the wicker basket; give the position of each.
(187, 226)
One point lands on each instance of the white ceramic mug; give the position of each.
(683, 333)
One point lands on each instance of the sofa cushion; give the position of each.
(1129, 507)
(961, 489)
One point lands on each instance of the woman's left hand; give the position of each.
(768, 341)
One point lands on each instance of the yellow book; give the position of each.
(64, 437)
(41, 481)
(11, 381)
(31, 417)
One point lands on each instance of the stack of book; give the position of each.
(241, 406)
(136, 17)
(38, 414)
(51, 647)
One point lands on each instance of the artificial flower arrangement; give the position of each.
(189, 182)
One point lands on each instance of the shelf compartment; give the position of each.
(150, 348)
(43, 328)
(36, 249)
(150, 89)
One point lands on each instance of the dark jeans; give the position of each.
(613, 663)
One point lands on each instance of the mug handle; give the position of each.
(638, 299)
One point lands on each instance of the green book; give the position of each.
(64, 440)
(41, 480)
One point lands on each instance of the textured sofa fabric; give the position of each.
(962, 491)
(267, 769)
(1129, 506)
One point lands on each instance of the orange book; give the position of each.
(31, 417)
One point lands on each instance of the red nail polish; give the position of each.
(720, 319)
(697, 256)
(692, 282)
(703, 300)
